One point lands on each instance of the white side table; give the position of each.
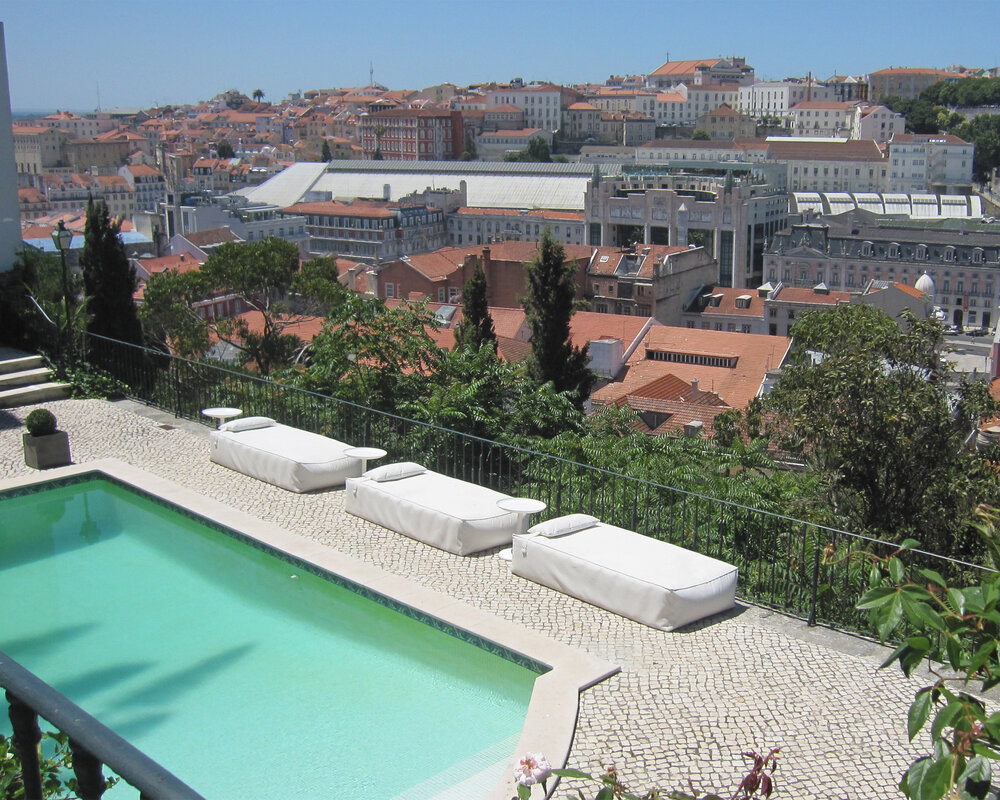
(221, 414)
(523, 507)
(366, 454)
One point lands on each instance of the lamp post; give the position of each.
(62, 238)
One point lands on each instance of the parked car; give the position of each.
(977, 332)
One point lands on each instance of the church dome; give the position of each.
(925, 284)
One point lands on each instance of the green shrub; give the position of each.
(41, 422)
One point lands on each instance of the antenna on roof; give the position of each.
(98, 95)
(371, 74)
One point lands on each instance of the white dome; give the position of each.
(925, 284)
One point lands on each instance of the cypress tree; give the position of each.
(109, 280)
(550, 305)
(477, 324)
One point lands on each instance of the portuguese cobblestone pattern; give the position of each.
(685, 705)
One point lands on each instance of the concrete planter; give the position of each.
(42, 452)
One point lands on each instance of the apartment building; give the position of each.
(725, 122)
(848, 251)
(542, 104)
(826, 118)
(730, 210)
(413, 134)
(495, 145)
(371, 230)
(877, 123)
(484, 225)
(148, 184)
(732, 70)
(647, 280)
(833, 165)
(39, 149)
(905, 82)
(936, 163)
(775, 99)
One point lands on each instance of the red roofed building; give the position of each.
(440, 275)
(700, 71)
(411, 134)
(679, 376)
(647, 280)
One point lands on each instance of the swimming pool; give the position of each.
(237, 669)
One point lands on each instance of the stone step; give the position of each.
(8, 380)
(20, 364)
(34, 393)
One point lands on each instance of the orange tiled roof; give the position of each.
(683, 67)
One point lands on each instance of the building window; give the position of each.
(390, 290)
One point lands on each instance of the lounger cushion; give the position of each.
(653, 582)
(247, 424)
(445, 512)
(393, 472)
(560, 526)
(288, 457)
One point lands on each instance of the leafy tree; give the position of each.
(263, 275)
(955, 631)
(224, 150)
(469, 151)
(325, 153)
(109, 280)
(373, 355)
(35, 283)
(865, 404)
(550, 304)
(700, 135)
(477, 325)
(537, 151)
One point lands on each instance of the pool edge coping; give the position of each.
(550, 721)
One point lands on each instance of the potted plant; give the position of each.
(44, 445)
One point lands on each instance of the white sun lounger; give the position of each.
(445, 512)
(644, 579)
(288, 457)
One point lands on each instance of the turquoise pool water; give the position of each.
(245, 675)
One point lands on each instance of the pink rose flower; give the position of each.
(532, 769)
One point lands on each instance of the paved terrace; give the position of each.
(685, 704)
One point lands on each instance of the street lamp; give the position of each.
(62, 238)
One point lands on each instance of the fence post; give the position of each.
(27, 735)
(815, 586)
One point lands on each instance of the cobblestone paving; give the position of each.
(685, 705)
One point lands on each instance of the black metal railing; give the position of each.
(802, 568)
(93, 745)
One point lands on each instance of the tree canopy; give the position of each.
(550, 304)
(476, 327)
(865, 403)
(266, 278)
(109, 279)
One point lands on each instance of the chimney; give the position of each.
(694, 429)
(694, 388)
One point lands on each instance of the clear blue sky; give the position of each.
(142, 52)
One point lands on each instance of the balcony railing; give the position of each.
(804, 569)
(92, 744)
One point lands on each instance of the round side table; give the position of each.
(366, 454)
(221, 414)
(523, 507)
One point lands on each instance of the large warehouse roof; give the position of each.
(489, 184)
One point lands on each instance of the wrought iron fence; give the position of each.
(92, 744)
(801, 568)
